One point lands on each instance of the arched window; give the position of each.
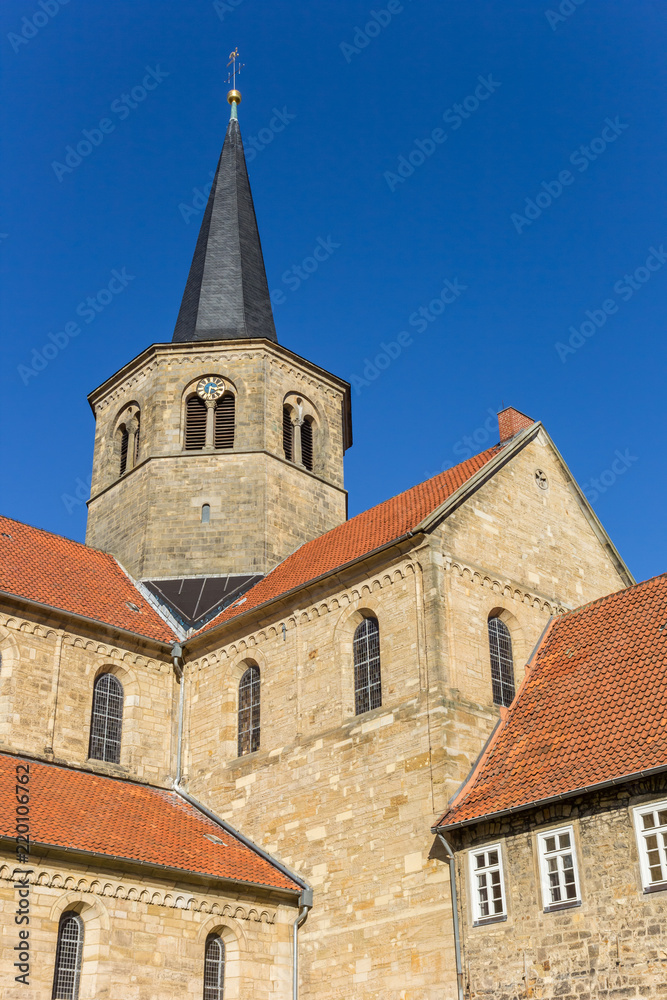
(249, 711)
(195, 424)
(205, 513)
(288, 434)
(124, 439)
(68, 958)
(367, 682)
(136, 438)
(214, 968)
(307, 444)
(502, 663)
(107, 719)
(224, 421)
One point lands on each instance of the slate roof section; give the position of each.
(60, 573)
(89, 812)
(592, 709)
(227, 295)
(358, 537)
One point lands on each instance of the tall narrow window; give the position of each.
(502, 663)
(68, 958)
(488, 893)
(205, 513)
(307, 444)
(367, 683)
(124, 438)
(195, 424)
(651, 830)
(288, 434)
(558, 865)
(224, 421)
(249, 711)
(214, 968)
(107, 719)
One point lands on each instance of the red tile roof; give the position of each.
(357, 537)
(121, 819)
(593, 708)
(64, 574)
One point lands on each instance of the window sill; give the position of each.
(499, 918)
(658, 887)
(555, 907)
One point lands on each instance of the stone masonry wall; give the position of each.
(144, 937)
(46, 691)
(262, 506)
(612, 945)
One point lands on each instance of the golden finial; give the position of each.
(234, 95)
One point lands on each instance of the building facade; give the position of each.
(289, 696)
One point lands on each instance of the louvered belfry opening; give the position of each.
(68, 958)
(288, 434)
(249, 689)
(502, 662)
(124, 438)
(225, 413)
(195, 424)
(307, 444)
(106, 723)
(214, 968)
(367, 680)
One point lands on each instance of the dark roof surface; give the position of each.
(227, 295)
(593, 708)
(122, 819)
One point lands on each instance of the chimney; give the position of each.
(510, 422)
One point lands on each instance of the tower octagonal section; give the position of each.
(215, 459)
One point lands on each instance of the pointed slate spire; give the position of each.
(227, 295)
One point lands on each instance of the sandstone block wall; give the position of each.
(144, 937)
(262, 506)
(612, 945)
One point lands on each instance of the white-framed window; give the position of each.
(487, 884)
(558, 868)
(651, 830)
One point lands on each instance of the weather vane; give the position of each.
(231, 77)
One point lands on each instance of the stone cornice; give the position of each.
(130, 891)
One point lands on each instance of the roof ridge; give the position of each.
(55, 534)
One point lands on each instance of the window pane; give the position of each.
(367, 682)
(564, 840)
(249, 727)
(550, 844)
(493, 857)
(648, 820)
(214, 969)
(68, 958)
(502, 662)
(106, 722)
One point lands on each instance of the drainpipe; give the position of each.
(455, 913)
(305, 904)
(306, 896)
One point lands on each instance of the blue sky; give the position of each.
(540, 199)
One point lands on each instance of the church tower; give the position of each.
(218, 454)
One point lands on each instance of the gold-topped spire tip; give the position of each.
(234, 96)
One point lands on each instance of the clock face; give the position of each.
(210, 387)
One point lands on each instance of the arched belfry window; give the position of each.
(67, 973)
(214, 968)
(106, 722)
(367, 680)
(127, 434)
(195, 424)
(502, 662)
(307, 444)
(288, 434)
(224, 421)
(249, 711)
